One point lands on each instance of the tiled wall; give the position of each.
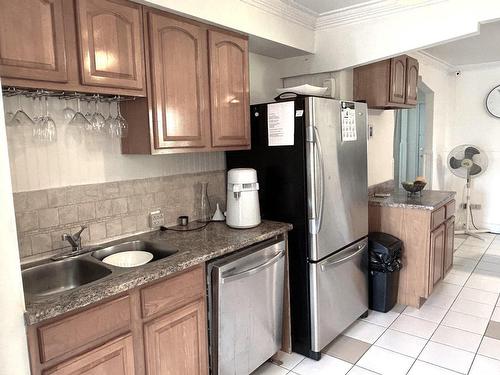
(109, 210)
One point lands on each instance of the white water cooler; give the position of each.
(243, 209)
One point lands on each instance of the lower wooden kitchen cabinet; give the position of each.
(175, 342)
(160, 328)
(427, 237)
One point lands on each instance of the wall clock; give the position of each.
(493, 102)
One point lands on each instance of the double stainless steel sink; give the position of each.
(51, 278)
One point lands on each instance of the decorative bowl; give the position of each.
(413, 187)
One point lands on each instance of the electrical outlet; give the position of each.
(472, 206)
(156, 219)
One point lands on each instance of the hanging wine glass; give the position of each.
(68, 112)
(49, 130)
(98, 121)
(111, 124)
(79, 120)
(20, 117)
(122, 123)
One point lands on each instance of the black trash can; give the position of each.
(385, 262)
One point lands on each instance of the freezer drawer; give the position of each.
(246, 308)
(339, 292)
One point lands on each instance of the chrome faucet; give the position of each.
(75, 240)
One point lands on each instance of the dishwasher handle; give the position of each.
(359, 249)
(253, 270)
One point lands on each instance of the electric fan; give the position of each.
(468, 162)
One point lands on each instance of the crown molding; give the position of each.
(367, 11)
(292, 11)
(425, 56)
(288, 10)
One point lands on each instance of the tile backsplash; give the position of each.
(110, 210)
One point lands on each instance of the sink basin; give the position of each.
(51, 278)
(159, 249)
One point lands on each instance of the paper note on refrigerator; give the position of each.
(281, 123)
(348, 117)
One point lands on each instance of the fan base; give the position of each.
(473, 233)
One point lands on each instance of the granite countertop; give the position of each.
(430, 200)
(193, 247)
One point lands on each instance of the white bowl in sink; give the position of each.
(128, 258)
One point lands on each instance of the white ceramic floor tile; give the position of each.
(326, 366)
(488, 266)
(490, 348)
(491, 258)
(401, 342)
(484, 281)
(381, 319)
(427, 312)
(485, 366)
(496, 315)
(424, 368)
(466, 322)
(465, 306)
(385, 362)
(464, 264)
(356, 370)
(364, 331)
(440, 300)
(457, 277)
(477, 295)
(414, 326)
(398, 308)
(289, 360)
(445, 356)
(270, 369)
(457, 338)
(447, 289)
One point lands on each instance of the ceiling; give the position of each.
(324, 6)
(477, 49)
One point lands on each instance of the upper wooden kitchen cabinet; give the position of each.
(180, 96)
(111, 43)
(32, 40)
(198, 98)
(229, 89)
(387, 84)
(93, 46)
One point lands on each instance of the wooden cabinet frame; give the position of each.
(426, 246)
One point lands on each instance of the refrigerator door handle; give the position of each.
(351, 255)
(321, 199)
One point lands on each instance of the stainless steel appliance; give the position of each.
(245, 307)
(316, 180)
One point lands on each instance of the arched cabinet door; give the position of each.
(228, 55)
(32, 44)
(411, 81)
(179, 70)
(398, 80)
(111, 43)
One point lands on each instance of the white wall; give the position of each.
(381, 146)
(13, 346)
(264, 78)
(471, 124)
(77, 158)
(360, 42)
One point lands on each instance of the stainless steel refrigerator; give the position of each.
(310, 154)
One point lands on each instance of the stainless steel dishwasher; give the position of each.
(245, 307)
